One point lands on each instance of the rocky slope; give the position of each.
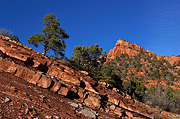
(132, 49)
(35, 86)
(148, 67)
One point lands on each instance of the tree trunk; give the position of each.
(45, 49)
(44, 52)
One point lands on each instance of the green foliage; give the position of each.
(153, 64)
(146, 71)
(122, 56)
(166, 99)
(15, 38)
(151, 90)
(149, 61)
(134, 88)
(109, 73)
(118, 59)
(126, 65)
(88, 58)
(154, 57)
(179, 73)
(52, 38)
(122, 71)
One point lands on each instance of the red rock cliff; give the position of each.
(132, 49)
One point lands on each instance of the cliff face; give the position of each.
(132, 49)
(125, 47)
(33, 85)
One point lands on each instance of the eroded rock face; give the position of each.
(132, 49)
(125, 47)
(39, 70)
(172, 60)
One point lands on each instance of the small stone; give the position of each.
(74, 105)
(34, 112)
(36, 118)
(42, 96)
(29, 117)
(48, 117)
(19, 117)
(112, 107)
(7, 100)
(26, 110)
(56, 117)
(11, 104)
(92, 111)
(88, 113)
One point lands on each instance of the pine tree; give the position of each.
(88, 57)
(15, 38)
(52, 38)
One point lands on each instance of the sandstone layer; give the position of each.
(132, 49)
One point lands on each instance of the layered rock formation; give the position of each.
(89, 99)
(132, 49)
(125, 47)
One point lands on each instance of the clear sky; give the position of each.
(153, 24)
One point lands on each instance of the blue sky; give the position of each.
(153, 24)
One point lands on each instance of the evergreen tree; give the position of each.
(52, 38)
(15, 38)
(88, 58)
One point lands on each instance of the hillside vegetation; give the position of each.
(141, 74)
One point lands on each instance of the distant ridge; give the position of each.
(132, 49)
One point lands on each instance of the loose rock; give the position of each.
(7, 100)
(88, 113)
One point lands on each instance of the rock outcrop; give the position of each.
(125, 47)
(91, 99)
(132, 49)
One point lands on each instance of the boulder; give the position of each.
(121, 104)
(112, 107)
(112, 100)
(93, 100)
(4, 64)
(35, 78)
(44, 82)
(118, 111)
(81, 93)
(84, 72)
(56, 86)
(88, 113)
(54, 71)
(129, 114)
(18, 55)
(36, 63)
(24, 73)
(89, 87)
(13, 68)
(63, 90)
